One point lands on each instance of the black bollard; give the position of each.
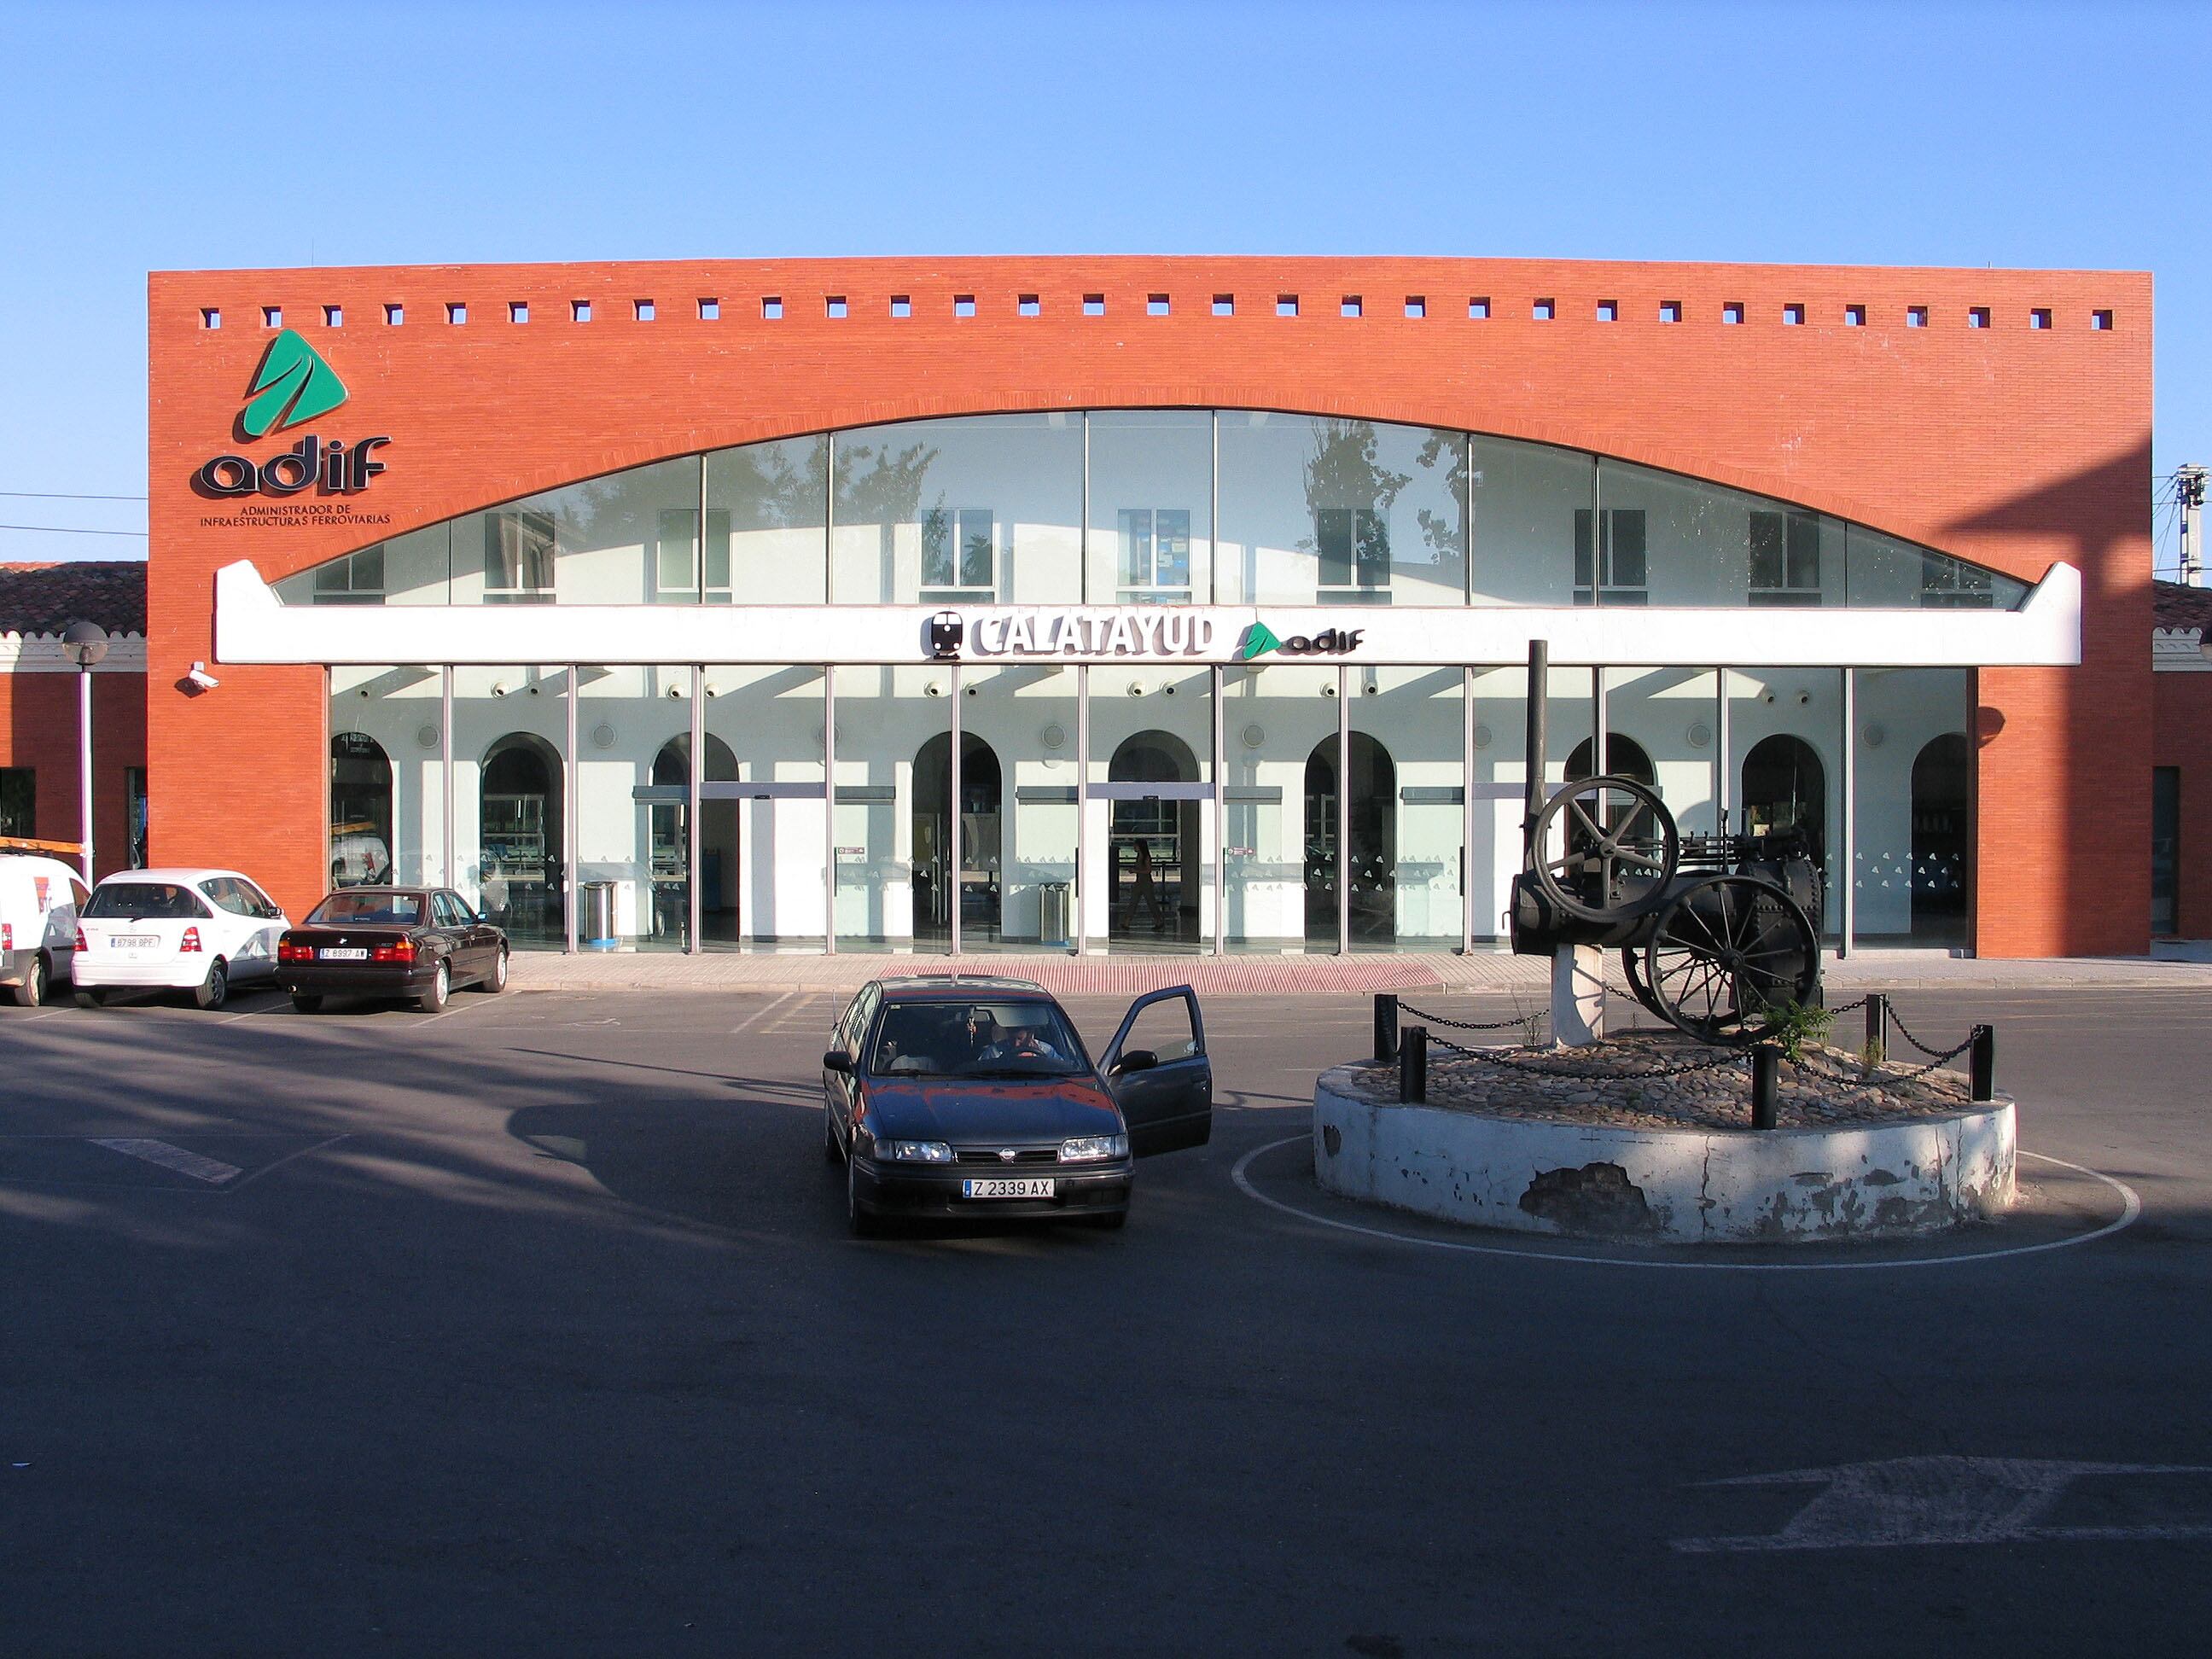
(1765, 1070)
(1877, 1013)
(1413, 1066)
(1386, 1028)
(1982, 1065)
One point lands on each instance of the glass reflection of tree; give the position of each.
(1446, 532)
(1349, 492)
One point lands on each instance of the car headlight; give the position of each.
(1093, 1149)
(913, 1151)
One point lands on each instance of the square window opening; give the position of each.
(1916, 316)
(1670, 311)
(518, 311)
(394, 316)
(2039, 318)
(1544, 311)
(1156, 305)
(710, 311)
(580, 311)
(1478, 309)
(2100, 320)
(1977, 317)
(1094, 305)
(1224, 304)
(901, 305)
(835, 306)
(1349, 306)
(1608, 311)
(1286, 305)
(333, 316)
(1793, 316)
(1732, 312)
(1029, 305)
(210, 318)
(456, 314)
(642, 310)
(1416, 306)
(771, 308)
(273, 316)
(1854, 316)
(963, 304)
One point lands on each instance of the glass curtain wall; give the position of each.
(1148, 808)
(1406, 833)
(767, 507)
(511, 798)
(761, 833)
(623, 718)
(1785, 747)
(1152, 507)
(892, 808)
(1019, 809)
(388, 807)
(1912, 840)
(1279, 730)
(1529, 501)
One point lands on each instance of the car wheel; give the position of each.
(210, 992)
(90, 998)
(1111, 1223)
(442, 987)
(33, 991)
(495, 980)
(307, 1004)
(862, 1223)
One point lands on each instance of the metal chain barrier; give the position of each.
(1922, 1047)
(1583, 1074)
(1405, 1008)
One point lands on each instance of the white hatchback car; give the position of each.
(184, 930)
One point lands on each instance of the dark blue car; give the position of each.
(973, 1097)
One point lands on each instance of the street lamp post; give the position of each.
(87, 642)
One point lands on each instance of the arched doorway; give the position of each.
(361, 810)
(669, 836)
(977, 882)
(521, 827)
(1153, 855)
(1372, 867)
(1942, 853)
(1785, 788)
(1625, 757)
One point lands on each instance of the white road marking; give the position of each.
(1906, 1501)
(2130, 1212)
(278, 1164)
(761, 1013)
(176, 1157)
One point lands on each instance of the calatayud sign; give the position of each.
(1148, 632)
(293, 385)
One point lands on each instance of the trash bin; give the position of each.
(598, 915)
(1054, 913)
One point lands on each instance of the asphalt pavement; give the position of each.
(534, 1327)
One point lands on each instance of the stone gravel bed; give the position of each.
(1831, 1087)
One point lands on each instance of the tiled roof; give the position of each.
(44, 598)
(2175, 605)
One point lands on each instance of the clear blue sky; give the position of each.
(206, 136)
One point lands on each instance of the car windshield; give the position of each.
(368, 910)
(146, 900)
(975, 1039)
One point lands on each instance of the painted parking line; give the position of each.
(2130, 1212)
(174, 1157)
(759, 1014)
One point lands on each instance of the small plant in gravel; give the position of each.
(1795, 1025)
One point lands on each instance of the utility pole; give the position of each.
(2189, 491)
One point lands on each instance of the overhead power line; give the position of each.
(63, 530)
(47, 496)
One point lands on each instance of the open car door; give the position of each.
(1158, 1069)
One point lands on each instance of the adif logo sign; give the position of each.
(293, 385)
(1260, 639)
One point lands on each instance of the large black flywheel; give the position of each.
(1729, 953)
(1605, 849)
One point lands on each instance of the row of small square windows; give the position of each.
(1156, 305)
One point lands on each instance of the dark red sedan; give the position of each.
(414, 942)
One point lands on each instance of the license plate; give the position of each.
(136, 941)
(1030, 1186)
(342, 956)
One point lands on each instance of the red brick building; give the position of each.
(691, 519)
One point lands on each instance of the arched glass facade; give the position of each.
(1151, 506)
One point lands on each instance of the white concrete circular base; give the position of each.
(1669, 1186)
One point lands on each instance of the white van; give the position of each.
(39, 899)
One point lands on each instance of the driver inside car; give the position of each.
(1022, 1038)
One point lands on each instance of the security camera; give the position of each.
(1804, 696)
(198, 676)
(499, 687)
(970, 689)
(933, 689)
(1370, 689)
(674, 691)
